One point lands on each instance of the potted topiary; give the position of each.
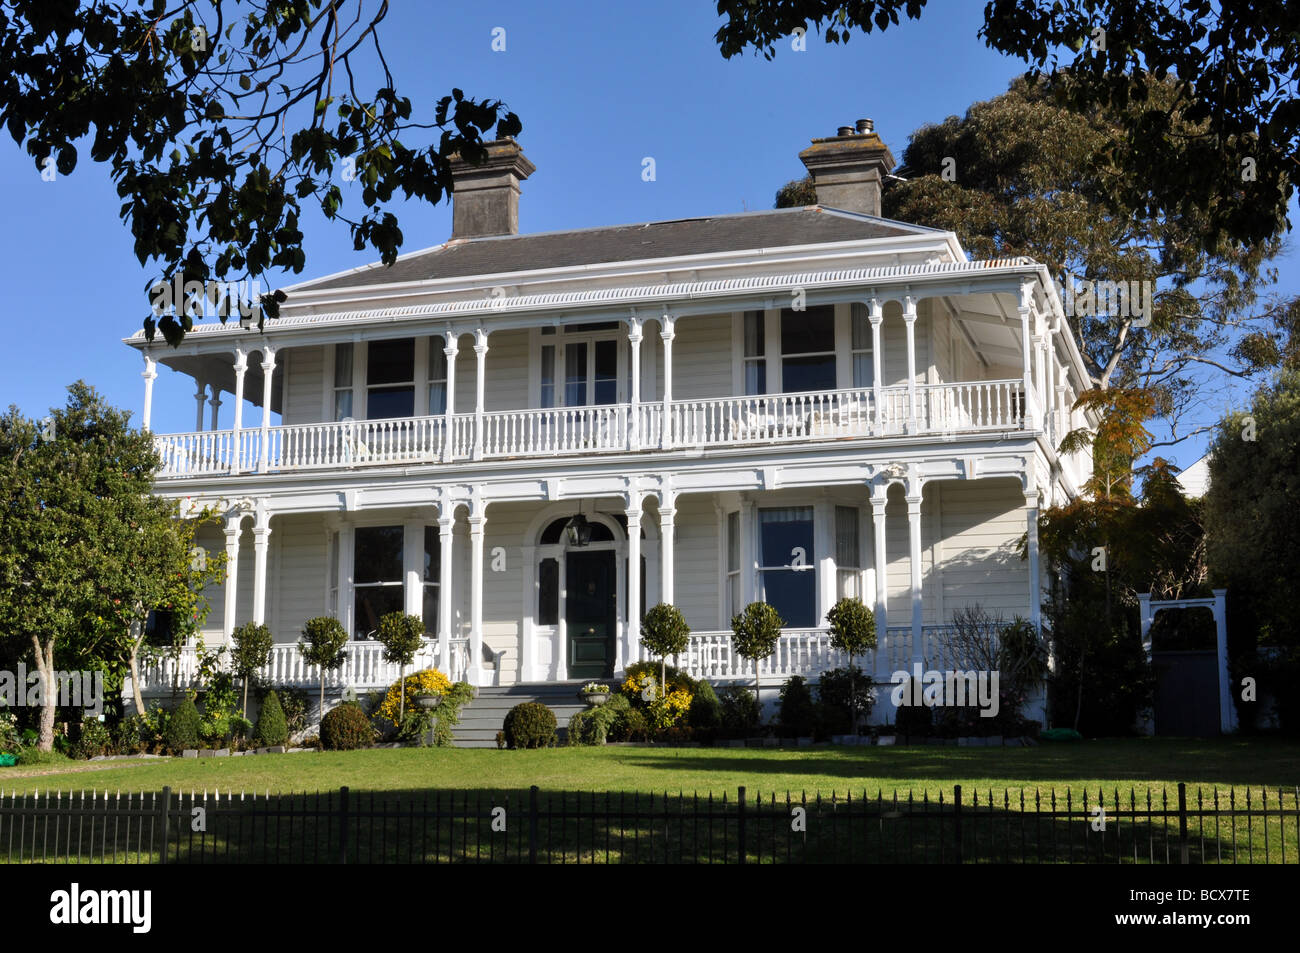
(594, 693)
(853, 631)
(755, 632)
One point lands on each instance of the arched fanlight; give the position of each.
(578, 531)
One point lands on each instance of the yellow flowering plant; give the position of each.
(664, 706)
(427, 681)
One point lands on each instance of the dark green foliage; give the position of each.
(853, 627)
(271, 727)
(796, 194)
(346, 728)
(1228, 64)
(93, 740)
(400, 635)
(442, 720)
(592, 727)
(914, 721)
(706, 711)
(160, 96)
(798, 713)
(530, 725)
(183, 727)
(322, 644)
(846, 698)
(664, 632)
(295, 703)
(631, 725)
(740, 713)
(1252, 522)
(250, 651)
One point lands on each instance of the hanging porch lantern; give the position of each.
(578, 531)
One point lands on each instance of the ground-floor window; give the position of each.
(377, 577)
(787, 572)
(548, 592)
(734, 592)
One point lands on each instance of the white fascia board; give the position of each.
(617, 303)
(623, 271)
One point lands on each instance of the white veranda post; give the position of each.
(232, 527)
(150, 374)
(261, 542)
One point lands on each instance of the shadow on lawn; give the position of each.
(1168, 761)
(481, 826)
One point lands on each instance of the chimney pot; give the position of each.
(847, 170)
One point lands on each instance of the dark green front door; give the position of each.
(590, 614)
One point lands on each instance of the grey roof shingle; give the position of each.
(691, 236)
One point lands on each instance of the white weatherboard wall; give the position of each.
(304, 383)
(981, 521)
(297, 582)
(696, 576)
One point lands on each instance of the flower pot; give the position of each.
(594, 699)
(427, 701)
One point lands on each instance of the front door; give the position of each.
(590, 613)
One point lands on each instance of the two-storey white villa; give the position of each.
(528, 439)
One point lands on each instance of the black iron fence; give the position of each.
(343, 826)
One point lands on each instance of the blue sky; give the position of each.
(598, 86)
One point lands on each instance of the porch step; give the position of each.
(482, 718)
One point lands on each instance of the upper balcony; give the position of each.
(815, 417)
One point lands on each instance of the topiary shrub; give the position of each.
(798, 715)
(183, 727)
(271, 726)
(706, 711)
(530, 725)
(346, 728)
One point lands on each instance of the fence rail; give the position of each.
(565, 827)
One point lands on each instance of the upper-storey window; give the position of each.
(342, 381)
(390, 379)
(755, 356)
(586, 363)
(808, 349)
(863, 368)
(437, 375)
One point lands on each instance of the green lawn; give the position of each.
(438, 804)
(1156, 764)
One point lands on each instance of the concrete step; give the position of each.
(483, 717)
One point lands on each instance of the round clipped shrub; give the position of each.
(530, 725)
(183, 727)
(631, 725)
(593, 726)
(346, 728)
(272, 728)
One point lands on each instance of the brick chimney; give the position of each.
(847, 168)
(485, 198)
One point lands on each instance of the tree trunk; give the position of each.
(853, 699)
(401, 700)
(321, 714)
(49, 695)
(245, 713)
(137, 640)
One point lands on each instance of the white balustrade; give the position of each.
(364, 667)
(758, 419)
